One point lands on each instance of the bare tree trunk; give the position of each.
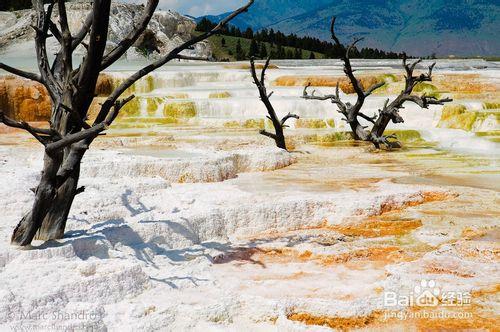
(53, 200)
(44, 198)
(278, 136)
(72, 91)
(54, 223)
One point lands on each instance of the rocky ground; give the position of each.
(166, 30)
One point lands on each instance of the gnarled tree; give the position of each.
(278, 136)
(390, 110)
(71, 88)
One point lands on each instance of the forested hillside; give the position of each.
(234, 44)
(459, 27)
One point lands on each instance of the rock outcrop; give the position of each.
(23, 99)
(330, 81)
(166, 30)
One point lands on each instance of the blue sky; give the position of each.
(197, 7)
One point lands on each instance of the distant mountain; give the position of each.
(444, 27)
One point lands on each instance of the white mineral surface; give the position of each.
(203, 225)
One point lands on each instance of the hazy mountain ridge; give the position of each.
(463, 27)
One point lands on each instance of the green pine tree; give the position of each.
(263, 51)
(297, 54)
(240, 54)
(280, 53)
(254, 48)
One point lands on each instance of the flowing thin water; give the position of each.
(223, 96)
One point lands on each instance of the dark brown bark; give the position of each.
(54, 223)
(278, 136)
(44, 196)
(390, 111)
(72, 92)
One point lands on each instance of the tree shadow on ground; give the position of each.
(133, 211)
(116, 234)
(170, 280)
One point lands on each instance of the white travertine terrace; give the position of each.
(200, 224)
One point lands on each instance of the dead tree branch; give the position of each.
(40, 134)
(278, 124)
(390, 111)
(287, 117)
(84, 30)
(41, 35)
(21, 73)
(119, 50)
(66, 38)
(335, 99)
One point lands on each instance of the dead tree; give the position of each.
(279, 125)
(390, 111)
(71, 88)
